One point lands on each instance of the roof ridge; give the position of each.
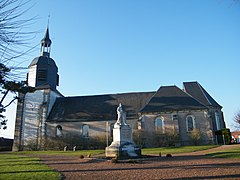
(193, 97)
(203, 93)
(109, 94)
(171, 99)
(198, 92)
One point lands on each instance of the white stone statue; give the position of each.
(122, 144)
(121, 120)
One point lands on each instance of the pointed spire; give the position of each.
(46, 44)
(46, 41)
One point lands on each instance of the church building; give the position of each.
(156, 117)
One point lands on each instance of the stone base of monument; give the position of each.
(123, 151)
(122, 145)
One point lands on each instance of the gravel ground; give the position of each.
(182, 166)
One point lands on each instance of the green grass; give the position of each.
(164, 150)
(21, 168)
(65, 153)
(231, 153)
(176, 150)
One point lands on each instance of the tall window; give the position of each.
(58, 131)
(190, 123)
(217, 119)
(174, 117)
(85, 130)
(175, 122)
(159, 124)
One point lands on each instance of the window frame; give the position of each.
(59, 132)
(159, 128)
(193, 123)
(217, 121)
(175, 117)
(85, 135)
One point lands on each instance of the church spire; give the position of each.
(46, 44)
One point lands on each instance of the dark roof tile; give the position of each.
(199, 93)
(171, 98)
(97, 108)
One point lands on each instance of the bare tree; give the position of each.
(237, 120)
(14, 39)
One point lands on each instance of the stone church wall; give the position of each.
(212, 115)
(178, 126)
(96, 128)
(33, 116)
(202, 123)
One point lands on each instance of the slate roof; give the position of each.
(47, 86)
(97, 108)
(103, 107)
(199, 93)
(46, 41)
(171, 98)
(43, 60)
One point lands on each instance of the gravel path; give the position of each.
(182, 166)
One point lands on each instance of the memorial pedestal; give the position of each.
(122, 145)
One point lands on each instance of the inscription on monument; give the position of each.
(126, 134)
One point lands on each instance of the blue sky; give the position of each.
(115, 46)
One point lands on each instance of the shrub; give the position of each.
(164, 140)
(227, 135)
(195, 136)
(114, 160)
(31, 145)
(58, 143)
(224, 136)
(140, 137)
(168, 155)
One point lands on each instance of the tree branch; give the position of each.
(10, 102)
(4, 96)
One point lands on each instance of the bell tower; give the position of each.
(34, 107)
(43, 71)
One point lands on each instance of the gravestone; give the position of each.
(122, 145)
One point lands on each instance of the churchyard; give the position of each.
(189, 161)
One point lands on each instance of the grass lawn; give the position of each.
(230, 153)
(156, 151)
(20, 167)
(65, 153)
(176, 150)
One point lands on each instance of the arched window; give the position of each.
(190, 123)
(217, 120)
(85, 130)
(58, 131)
(159, 124)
